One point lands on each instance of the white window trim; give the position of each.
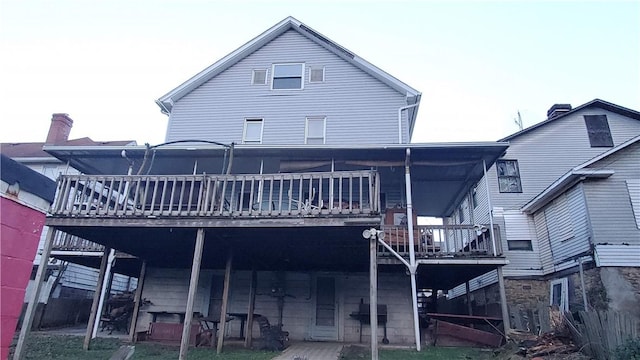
(311, 68)
(266, 76)
(324, 128)
(302, 76)
(564, 293)
(244, 130)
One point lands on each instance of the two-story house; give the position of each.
(69, 289)
(566, 197)
(287, 187)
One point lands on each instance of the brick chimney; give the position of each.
(59, 130)
(557, 110)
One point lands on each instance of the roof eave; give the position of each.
(563, 184)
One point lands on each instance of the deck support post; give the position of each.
(468, 293)
(104, 290)
(27, 322)
(373, 294)
(96, 298)
(136, 307)
(225, 301)
(193, 287)
(503, 302)
(412, 251)
(248, 336)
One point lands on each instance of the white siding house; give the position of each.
(567, 187)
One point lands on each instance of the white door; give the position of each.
(325, 319)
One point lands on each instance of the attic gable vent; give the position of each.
(259, 77)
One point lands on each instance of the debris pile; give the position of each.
(552, 343)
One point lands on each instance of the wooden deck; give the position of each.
(318, 194)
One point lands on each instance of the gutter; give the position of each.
(407, 107)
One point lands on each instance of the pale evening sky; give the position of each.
(476, 63)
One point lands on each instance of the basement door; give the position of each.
(325, 319)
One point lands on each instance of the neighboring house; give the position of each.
(278, 158)
(567, 198)
(71, 280)
(25, 197)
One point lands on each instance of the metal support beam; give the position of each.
(468, 293)
(136, 308)
(225, 301)
(373, 294)
(248, 336)
(27, 322)
(491, 230)
(96, 298)
(412, 251)
(503, 302)
(104, 291)
(193, 287)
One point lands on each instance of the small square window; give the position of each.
(524, 245)
(259, 77)
(252, 131)
(598, 130)
(508, 176)
(315, 131)
(316, 74)
(287, 76)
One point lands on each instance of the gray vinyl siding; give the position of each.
(610, 212)
(567, 224)
(547, 153)
(609, 200)
(519, 226)
(617, 255)
(358, 108)
(479, 282)
(544, 246)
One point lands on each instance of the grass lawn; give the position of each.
(41, 346)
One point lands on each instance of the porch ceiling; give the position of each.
(294, 249)
(441, 173)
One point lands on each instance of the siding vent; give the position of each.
(259, 77)
(316, 74)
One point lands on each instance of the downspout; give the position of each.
(400, 120)
(412, 251)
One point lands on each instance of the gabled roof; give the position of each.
(166, 101)
(34, 150)
(593, 103)
(575, 175)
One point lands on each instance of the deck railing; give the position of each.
(247, 195)
(67, 242)
(441, 240)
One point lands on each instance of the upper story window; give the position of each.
(287, 76)
(315, 130)
(474, 197)
(259, 77)
(508, 176)
(316, 74)
(598, 130)
(252, 131)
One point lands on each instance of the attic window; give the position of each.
(287, 76)
(316, 74)
(598, 130)
(259, 77)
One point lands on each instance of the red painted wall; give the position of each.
(20, 229)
